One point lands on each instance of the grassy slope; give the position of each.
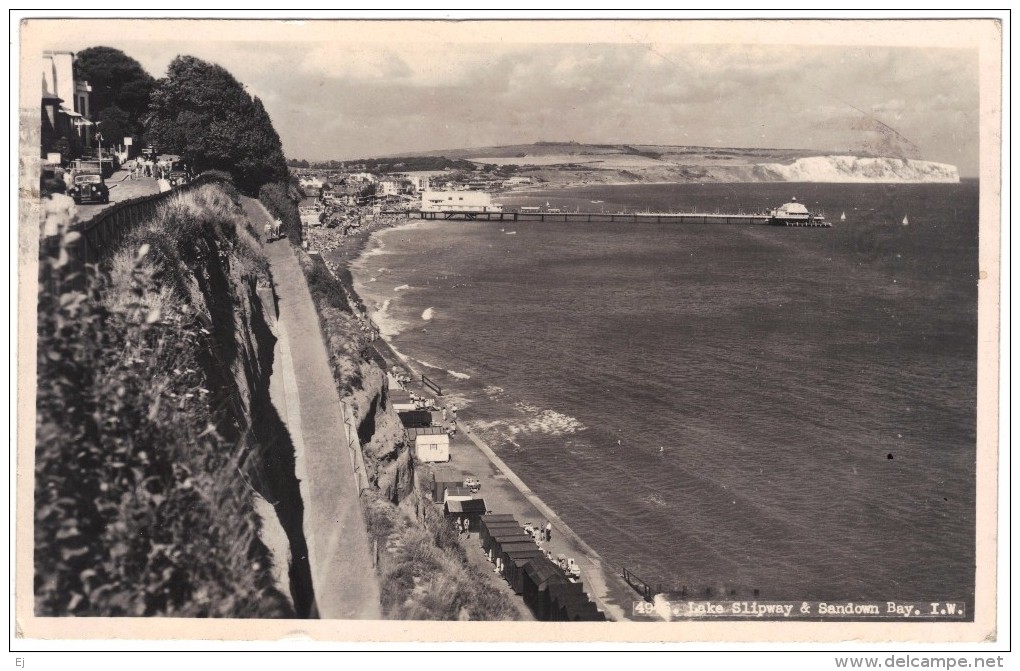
(145, 383)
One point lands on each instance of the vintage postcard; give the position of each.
(494, 330)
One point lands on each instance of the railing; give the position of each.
(431, 385)
(354, 450)
(102, 234)
(639, 585)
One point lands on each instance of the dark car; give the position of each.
(178, 178)
(89, 189)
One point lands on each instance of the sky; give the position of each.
(339, 99)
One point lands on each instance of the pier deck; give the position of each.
(625, 217)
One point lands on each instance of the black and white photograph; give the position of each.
(615, 330)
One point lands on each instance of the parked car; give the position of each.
(178, 178)
(89, 188)
(472, 483)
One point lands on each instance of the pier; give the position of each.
(759, 219)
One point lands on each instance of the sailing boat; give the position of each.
(842, 217)
(906, 222)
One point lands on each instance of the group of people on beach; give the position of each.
(538, 532)
(424, 402)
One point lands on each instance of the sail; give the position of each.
(842, 217)
(906, 222)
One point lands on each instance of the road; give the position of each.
(121, 189)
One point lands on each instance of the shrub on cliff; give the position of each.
(140, 505)
(200, 111)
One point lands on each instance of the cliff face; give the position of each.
(390, 467)
(157, 377)
(856, 169)
(741, 168)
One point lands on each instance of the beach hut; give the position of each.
(574, 607)
(443, 479)
(415, 419)
(429, 444)
(495, 537)
(489, 525)
(457, 494)
(539, 575)
(515, 556)
(401, 401)
(498, 517)
(472, 509)
(555, 592)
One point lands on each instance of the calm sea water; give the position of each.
(788, 410)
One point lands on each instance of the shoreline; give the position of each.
(607, 589)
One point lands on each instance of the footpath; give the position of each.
(339, 554)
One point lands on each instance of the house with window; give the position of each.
(66, 124)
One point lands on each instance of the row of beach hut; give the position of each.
(545, 587)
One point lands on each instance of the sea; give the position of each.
(746, 409)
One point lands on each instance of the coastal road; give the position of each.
(121, 189)
(343, 578)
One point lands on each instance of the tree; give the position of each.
(200, 111)
(115, 125)
(117, 80)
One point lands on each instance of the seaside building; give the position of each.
(66, 127)
(311, 183)
(429, 444)
(421, 179)
(388, 187)
(458, 201)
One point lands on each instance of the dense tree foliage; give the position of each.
(200, 111)
(115, 124)
(117, 81)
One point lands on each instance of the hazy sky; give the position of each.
(342, 100)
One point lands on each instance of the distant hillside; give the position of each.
(545, 150)
(569, 163)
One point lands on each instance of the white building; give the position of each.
(420, 179)
(310, 183)
(388, 188)
(458, 201)
(431, 444)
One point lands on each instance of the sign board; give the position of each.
(128, 141)
(53, 157)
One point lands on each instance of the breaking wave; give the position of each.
(428, 314)
(388, 325)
